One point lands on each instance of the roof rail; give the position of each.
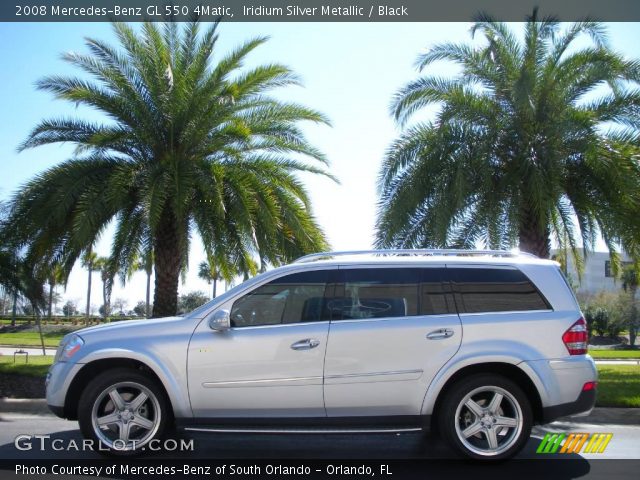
(413, 252)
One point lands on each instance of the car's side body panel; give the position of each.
(367, 368)
(383, 366)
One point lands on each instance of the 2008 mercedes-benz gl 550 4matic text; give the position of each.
(478, 344)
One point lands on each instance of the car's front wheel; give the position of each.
(122, 410)
(486, 417)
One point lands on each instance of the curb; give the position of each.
(31, 406)
(614, 416)
(603, 416)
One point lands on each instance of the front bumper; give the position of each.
(59, 379)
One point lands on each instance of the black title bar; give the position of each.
(313, 10)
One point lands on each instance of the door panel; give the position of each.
(254, 371)
(383, 366)
(270, 363)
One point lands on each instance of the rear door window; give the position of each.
(364, 293)
(495, 290)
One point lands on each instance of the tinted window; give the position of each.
(495, 290)
(388, 292)
(290, 299)
(434, 299)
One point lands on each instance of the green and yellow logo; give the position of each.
(574, 443)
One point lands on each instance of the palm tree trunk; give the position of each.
(13, 310)
(90, 267)
(534, 237)
(215, 284)
(105, 299)
(147, 310)
(39, 322)
(167, 262)
(49, 313)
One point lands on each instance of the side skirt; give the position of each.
(326, 425)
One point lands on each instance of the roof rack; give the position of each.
(428, 252)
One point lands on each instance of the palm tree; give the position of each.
(208, 272)
(140, 261)
(630, 284)
(191, 146)
(55, 277)
(523, 148)
(89, 262)
(107, 274)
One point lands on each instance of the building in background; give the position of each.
(597, 275)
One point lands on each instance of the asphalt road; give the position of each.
(625, 443)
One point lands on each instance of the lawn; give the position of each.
(37, 366)
(618, 385)
(27, 339)
(615, 354)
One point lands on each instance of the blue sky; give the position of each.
(349, 71)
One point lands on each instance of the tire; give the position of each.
(486, 417)
(143, 414)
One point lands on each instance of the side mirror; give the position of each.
(220, 321)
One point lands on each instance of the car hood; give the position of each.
(127, 325)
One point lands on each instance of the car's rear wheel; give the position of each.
(486, 417)
(122, 410)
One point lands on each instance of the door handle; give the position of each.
(440, 334)
(306, 344)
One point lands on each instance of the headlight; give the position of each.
(68, 348)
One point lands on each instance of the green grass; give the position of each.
(30, 339)
(619, 386)
(615, 353)
(37, 366)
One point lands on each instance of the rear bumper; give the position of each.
(582, 406)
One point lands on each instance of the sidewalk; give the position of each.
(8, 350)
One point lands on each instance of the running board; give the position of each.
(301, 430)
(347, 424)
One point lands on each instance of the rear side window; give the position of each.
(389, 292)
(495, 290)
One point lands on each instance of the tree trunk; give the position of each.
(50, 312)
(147, 310)
(633, 324)
(39, 322)
(534, 237)
(90, 267)
(167, 262)
(215, 285)
(13, 310)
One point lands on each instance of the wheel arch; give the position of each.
(512, 371)
(96, 366)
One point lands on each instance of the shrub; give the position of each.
(597, 319)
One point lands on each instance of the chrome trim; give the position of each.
(254, 382)
(288, 431)
(276, 325)
(440, 334)
(395, 319)
(306, 344)
(506, 312)
(414, 252)
(373, 374)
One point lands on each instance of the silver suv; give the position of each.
(478, 345)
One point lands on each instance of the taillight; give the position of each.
(589, 386)
(576, 338)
